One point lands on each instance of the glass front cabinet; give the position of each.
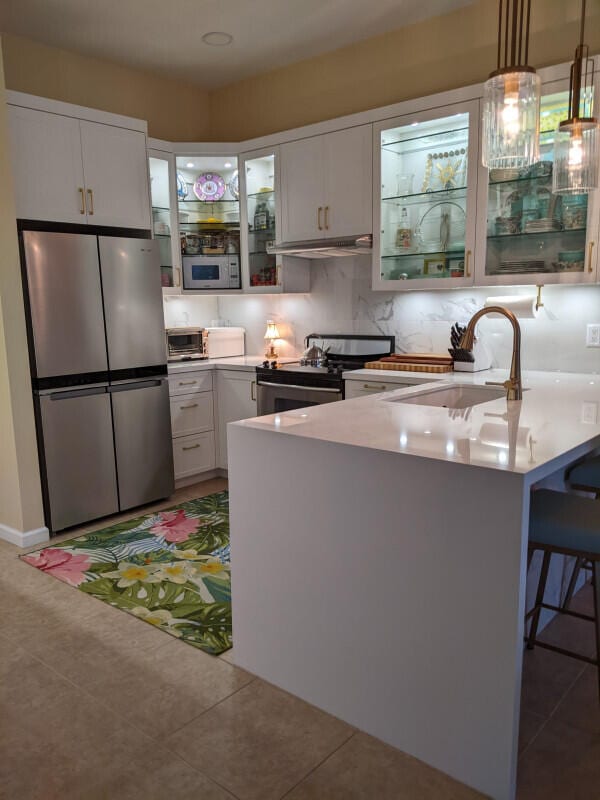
(263, 271)
(426, 180)
(527, 234)
(161, 167)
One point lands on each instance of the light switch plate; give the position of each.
(592, 335)
(589, 412)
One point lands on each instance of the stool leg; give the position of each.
(572, 582)
(596, 585)
(541, 589)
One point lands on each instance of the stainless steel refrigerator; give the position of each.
(98, 360)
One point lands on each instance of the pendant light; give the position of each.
(576, 143)
(511, 95)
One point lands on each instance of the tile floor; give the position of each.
(97, 704)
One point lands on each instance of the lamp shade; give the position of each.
(576, 155)
(271, 332)
(511, 119)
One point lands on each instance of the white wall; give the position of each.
(341, 301)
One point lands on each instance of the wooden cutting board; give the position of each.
(406, 367)
(418, 358)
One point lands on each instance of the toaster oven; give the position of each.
(187, 344)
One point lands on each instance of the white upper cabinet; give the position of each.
(46, 165)
(326, 186)
(76, 171)
(116, 175)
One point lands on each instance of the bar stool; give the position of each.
(569, 525)
(584, 476)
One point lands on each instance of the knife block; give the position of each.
(482, 359)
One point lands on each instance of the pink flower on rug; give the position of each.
(61, 564)
(175, 526)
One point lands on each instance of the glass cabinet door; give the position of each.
(260, 193)
(426, 232)
(533, 235)
(164, 226)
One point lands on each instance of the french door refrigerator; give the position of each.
(98, 358)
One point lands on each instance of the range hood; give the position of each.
(325, 248)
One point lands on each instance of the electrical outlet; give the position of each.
(589, 412)
(592, 336)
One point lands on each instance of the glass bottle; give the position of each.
(404, 231)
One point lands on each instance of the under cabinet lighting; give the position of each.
(190, 165)
(227, 164)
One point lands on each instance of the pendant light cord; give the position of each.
(582, 28)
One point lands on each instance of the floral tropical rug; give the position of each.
(170, 568)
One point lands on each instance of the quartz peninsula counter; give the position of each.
(379, 553)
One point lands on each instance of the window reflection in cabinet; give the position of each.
(260, 204)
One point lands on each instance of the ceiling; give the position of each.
(165, 37)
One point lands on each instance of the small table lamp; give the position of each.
(270, 335)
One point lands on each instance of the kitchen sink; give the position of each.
(457, 396)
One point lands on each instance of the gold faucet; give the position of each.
(513, 387)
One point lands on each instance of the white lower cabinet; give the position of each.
(373, 386)
(194, 454)
(192, 423)
(236, 399)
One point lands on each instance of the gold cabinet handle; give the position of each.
(319, 226)
(590, 251)
(326, 218)
(91, 199)
(177, 282)
(190, 405)
(252, 390)
(467, 259)
(82, 199)
(372, 386)
(190, 447)
(188, 383)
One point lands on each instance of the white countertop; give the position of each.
(559, 413)
(244, 363)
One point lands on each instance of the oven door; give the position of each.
(274, 398)
(205, 272)
(184, 344)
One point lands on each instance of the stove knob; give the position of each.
(273, 365)
(303, 362)
(330, 369)
(265, 364)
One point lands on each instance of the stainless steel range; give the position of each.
(317, 377)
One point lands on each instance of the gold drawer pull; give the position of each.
(590, 251)
(190, 405)
(326, 218)
(188, 383)
(252, 390)
(91, 198)
(82, 198)
(467, 259)
(319, 226)
(190, 447)
(372, 386)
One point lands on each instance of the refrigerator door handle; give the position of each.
(69, 394)
(131, 385)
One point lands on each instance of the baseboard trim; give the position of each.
(200, 477)
(24, 539)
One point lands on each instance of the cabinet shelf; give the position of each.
(207, 202)
(162, 235)
(522, 179)
(429, 253)
(160, 209)
(458, 135)
(534, 234)
(215, 225)
(457, 192)
(261, 194)
(269, 230)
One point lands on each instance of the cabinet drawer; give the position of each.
(188, 382)
(364, 388)
(192, 413)
(193, 454)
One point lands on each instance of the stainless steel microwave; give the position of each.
(211, 272)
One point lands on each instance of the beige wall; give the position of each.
(20, 496)
(443, 53)
(174, 110)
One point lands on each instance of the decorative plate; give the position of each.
(234, 185)
(209, 186)
(182, 188)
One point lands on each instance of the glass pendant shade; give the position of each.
(511, 119)
(576, 157)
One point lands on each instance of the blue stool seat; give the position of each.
(565, 522)
(586, 475)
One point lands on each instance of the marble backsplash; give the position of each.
(341, 301)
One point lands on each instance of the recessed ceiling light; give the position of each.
(227, 164)
(190, 165)
(217, 38)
